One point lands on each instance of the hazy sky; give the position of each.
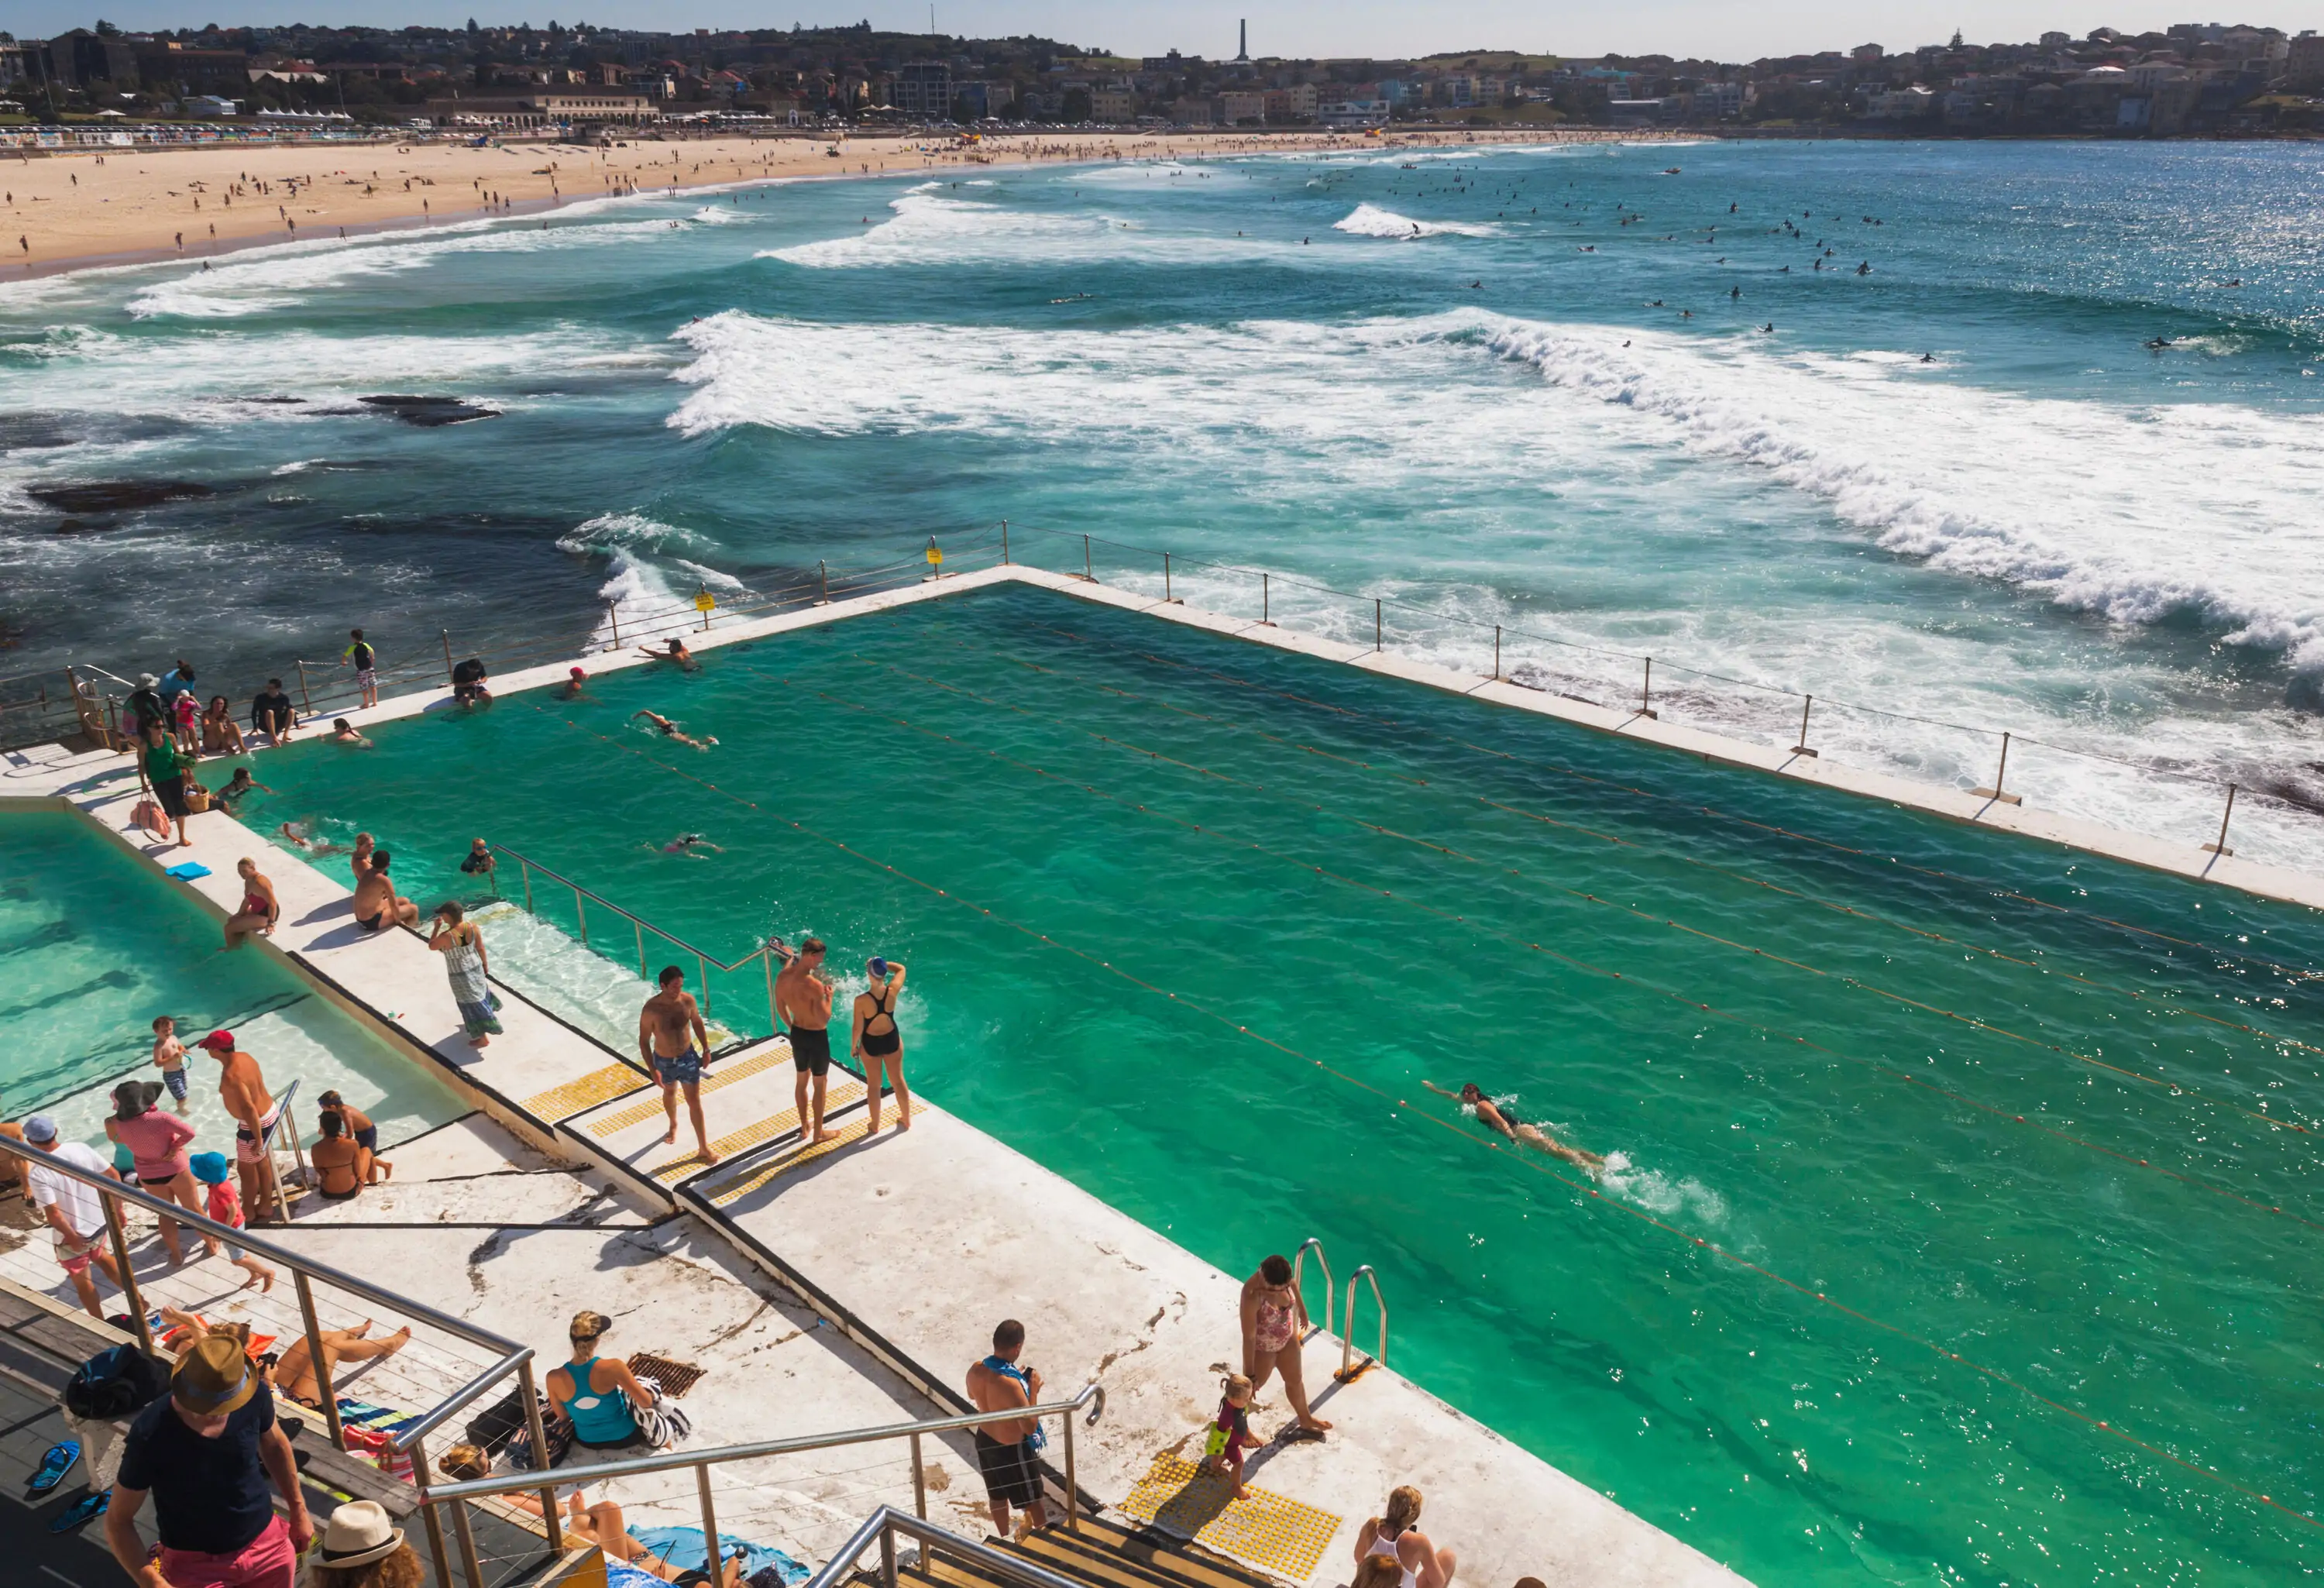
(1721, 29)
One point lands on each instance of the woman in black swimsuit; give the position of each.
(879, 1042)
(1503, 1117)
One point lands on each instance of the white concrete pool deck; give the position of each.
(913, 1245)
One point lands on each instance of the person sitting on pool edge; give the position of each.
(364, 1133)
(598, 1395)
(377, 905)
(342, 1168)
(1503, 1117)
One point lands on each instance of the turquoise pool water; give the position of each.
(1921, 1089)
(94, 946)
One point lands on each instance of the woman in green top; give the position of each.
(164, 769)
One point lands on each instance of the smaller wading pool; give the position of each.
(94, 945)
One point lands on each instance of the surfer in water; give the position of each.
(1503, 1117)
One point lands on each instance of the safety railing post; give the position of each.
(317, 1363)
(1073, 1485)
(613, 623)
(1264, 618)
(527, 867)
(1646, 695)
(1086, 572)
(822, 583)
(466, 1534)
(1004, 543)
(427, 1511)
(703, 961)
(539, 1436)
(2219, 847)
(1376, 625)
(119, 1239)
(447, 654)
(767, 963)
(304, 699)
(887, 1557)
(919, 1482)
(1165, 578)
(1998, 793)
(639, 928)
(1802, 747)
(709, 1523)
(1497, 653)
(581, 915)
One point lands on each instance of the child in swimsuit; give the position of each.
(171, 1055)
(1229, 1434)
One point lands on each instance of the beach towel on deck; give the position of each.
(682, 1547)
(379, 1419)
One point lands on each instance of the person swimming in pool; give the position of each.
(670, 730)
(678, 652)
(1503, 1117)
(687, 843)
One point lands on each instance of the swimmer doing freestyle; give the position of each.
(670, 730)
(1503, 1118)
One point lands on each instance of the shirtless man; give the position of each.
(377, 905)
(259, 910)
(1008, 1453)
(678, 652)
(1501, 1117)
(803, 998)
(243, 1089)
(674, 1043)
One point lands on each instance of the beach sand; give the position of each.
(68, 209)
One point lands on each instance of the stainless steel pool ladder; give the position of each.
(1349, 1366)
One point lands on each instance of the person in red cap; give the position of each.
(573, 682)
(243, 1089)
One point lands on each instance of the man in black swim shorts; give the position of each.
(803, 998)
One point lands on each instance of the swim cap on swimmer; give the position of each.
(579, 674)
(877, 966)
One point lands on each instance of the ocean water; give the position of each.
(1960, 487)
(2004, 1156)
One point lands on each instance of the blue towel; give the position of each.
(682, 1547)
(187, 871)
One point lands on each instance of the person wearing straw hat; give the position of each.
(362, 1547)
(205, 1454)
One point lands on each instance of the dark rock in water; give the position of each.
(82, 526)
(270, 400)
(116, 495)
(433, 411)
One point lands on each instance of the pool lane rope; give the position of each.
(1746, 878)
(2176, 1087)
(1982, 885)
(1403, 1111)
(1686, 1000)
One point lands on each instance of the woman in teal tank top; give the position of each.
(597, 1394)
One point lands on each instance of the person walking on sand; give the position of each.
(260, 909)
(803, 1000)
(461, 942)
(169, 1057)
(1008, 1453)
(73, 1208)
(1274, 1318)
(673, 1042)
(361, 656)
(242, 1087)
(879, 1042)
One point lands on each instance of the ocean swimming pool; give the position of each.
(1921, 1088)
(95, 947)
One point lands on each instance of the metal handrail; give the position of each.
(1299, 1262)
(514, 1357)
(767, 953)
(1091, 1396)
(1348, 1368)
(882, 1528)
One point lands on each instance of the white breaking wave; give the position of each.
(635, 588)
(928, 228)
(1370, 220)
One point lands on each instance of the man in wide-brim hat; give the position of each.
(205, 1453)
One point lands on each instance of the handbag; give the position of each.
(555, 1429)
(662, 1422)
(501, 1424)
(149, 815)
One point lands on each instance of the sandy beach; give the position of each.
(68, 209)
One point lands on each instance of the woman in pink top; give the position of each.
(157, 1140)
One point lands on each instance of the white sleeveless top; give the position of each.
(1385, 1543)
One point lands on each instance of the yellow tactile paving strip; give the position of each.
(562, 1102)
(1270, 1531)
(734, 1190)
(750, 1136)
(638, 1114)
